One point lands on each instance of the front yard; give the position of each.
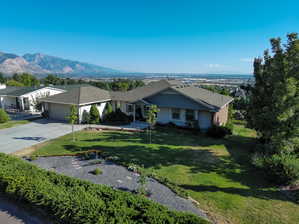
(10, 124)
(215, 172)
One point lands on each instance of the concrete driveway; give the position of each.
(23, 136)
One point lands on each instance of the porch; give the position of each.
(13, 104)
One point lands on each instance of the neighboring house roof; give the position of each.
(79, 96)
(209, 99)
(18, 91)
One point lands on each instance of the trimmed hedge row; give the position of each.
(75, 201)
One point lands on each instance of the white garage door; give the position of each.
(204, 119)
(59, 111)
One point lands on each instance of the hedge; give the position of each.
(70, 200)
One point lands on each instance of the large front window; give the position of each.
(190, 115)
(176, 114)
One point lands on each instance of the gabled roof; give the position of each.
(209, 99)
(204, 96)
(79, 96)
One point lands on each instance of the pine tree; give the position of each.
(274, 104)
(94, 115)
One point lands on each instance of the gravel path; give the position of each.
(118, 177)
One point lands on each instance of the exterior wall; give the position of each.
(100, 106)
(220, 117)
(33, 96)
(8, 101)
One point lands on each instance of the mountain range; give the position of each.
(41, 64)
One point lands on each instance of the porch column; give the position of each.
(21, 103)
(134, 112)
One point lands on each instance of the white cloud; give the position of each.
(246, 60)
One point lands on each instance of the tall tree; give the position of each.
(274, 104)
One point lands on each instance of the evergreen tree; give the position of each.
(85, 117)
(94, 114)
(274, 104)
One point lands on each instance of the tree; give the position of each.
(12, 82)
(73, 118)
(151, 119)
(94, 114)
(3, 116)
(274, 103)
(2, 78)
(85, 117)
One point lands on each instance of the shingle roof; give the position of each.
(18, 91)
(80, 95)
(204, 96)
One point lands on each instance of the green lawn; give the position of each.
(216, 173)
(10, 124)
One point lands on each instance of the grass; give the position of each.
(215, 172)
(10, 124)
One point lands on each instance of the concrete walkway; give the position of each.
(23, 136)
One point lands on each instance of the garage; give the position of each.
(58, 112)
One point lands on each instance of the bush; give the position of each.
(85, 117)
(97, 171)
(118, 117)
(45, 114)
(71, 200)
(3, 116)
(218, 131)
(94, 115)
(280, 168)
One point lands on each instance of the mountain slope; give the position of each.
(41, 64)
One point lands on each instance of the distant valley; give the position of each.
(41, 64)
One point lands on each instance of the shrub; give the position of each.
(280, 168)
(97, 171)
(45, 114)
(3, 116)
(85, 117)
(94, 114)
(218, 131)
(71, 200)
(118, 117)
(33, 157)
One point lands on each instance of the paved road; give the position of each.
(23, 136)
(11, 213)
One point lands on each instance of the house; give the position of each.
(83, 97)
(178, 103)
(24, 98)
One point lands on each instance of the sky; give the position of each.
(172, 36)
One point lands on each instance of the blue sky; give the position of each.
(192, 36)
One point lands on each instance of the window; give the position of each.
(176, 114)
(129, 108)
(190, 115)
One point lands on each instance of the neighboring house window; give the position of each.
(190, 115)
(129, 108)
(176, 114)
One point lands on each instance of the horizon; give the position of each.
(149, 37)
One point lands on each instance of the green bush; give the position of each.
(97, 171)
(71, 200)
(3, 116)
(85, 117)
(94, 115)
(218, 131)
(118, 117)
(280, 168)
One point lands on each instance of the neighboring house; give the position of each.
(58, 106)
(178, 103)
(24, 98)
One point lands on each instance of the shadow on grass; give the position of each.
(175, 148)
